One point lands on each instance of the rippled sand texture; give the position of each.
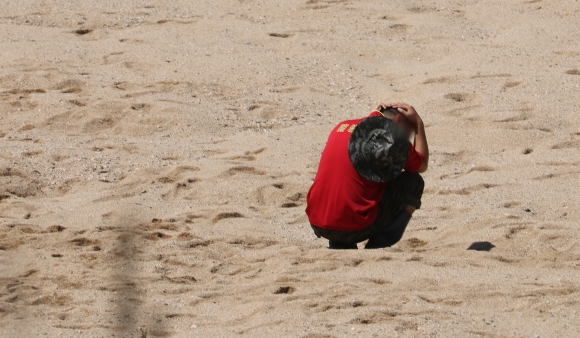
(156, 156)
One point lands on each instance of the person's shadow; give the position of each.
(481, 246)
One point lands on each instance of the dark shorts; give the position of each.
(406, 189)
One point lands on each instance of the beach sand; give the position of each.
(156, 157)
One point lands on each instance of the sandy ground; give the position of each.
(156, 156)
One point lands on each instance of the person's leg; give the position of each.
(400, 200)
(341, 246)
(342, 239)
(390, 235)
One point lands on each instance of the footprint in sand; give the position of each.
(321, 4)
(112, 58)
(253, 242)
(131, 40)
(154, 236)
(152, 230)
(225, 215)
(17, 183)
(490, 76)
(244, 170)
(54, 228)
(82, 31)
(285, 195)
(286, 290)
(459, 97)
(415, 242)
(473, 101)
(99, 124)
(247, 156)
(571, 144)
(78, 103)
(468, 190)
(181, 181)
(510, 84)
(442, 79)
(179, 189)
(280, 35)
(82, 241)
(471, 170)
(70, 86)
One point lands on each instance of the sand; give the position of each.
(156, 156)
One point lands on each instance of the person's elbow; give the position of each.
(423, 167)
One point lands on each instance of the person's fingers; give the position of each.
(388, 105)
(405, 110)
(402, 105)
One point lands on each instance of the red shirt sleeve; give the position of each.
(415, 161)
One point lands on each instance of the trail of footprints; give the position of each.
(186, 263)
(93, 249)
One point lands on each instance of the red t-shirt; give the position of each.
(341, 199)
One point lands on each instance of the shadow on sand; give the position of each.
(481, 246)
(134, 316)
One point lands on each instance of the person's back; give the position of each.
(338, 187)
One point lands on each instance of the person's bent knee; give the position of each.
(395, 239)
(414, 180)
(414, 186)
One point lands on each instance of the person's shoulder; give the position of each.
(347, 125)
(413, 150)
(358, 120)
(415, 160)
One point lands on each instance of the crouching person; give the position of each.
(368, 185)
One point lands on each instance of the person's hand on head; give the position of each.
(414, 119)
(383, 106)
(407, 110)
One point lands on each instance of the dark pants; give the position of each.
(406, 189)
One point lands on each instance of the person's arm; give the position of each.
(420, 137)
(421, 145)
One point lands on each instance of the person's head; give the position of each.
(394, 115)
(378, 149)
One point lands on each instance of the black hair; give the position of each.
(389, 112)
